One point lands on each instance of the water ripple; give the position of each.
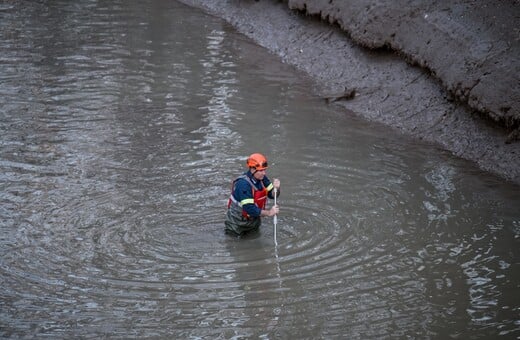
(121, 129)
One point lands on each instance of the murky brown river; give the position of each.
(122, 124)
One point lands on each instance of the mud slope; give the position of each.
(473, 47)
(381, 85)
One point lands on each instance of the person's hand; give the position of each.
(271, 212)
(274, 210)
(276, 183)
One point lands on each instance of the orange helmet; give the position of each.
(257, 161)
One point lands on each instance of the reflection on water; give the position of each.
(122, 126)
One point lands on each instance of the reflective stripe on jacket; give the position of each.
(259, 196)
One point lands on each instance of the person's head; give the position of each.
(257, 164)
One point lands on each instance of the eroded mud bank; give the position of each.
(472, 47)
(432, 98)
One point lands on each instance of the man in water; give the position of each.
(249, 193)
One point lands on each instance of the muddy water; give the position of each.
(122, 125)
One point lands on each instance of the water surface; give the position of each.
(123, 124)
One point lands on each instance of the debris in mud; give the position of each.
(347, 94)
(514, 136)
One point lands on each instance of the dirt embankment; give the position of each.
(472, 47)
(465, 94)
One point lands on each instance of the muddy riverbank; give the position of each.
(444, 75)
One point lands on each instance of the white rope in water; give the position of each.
(275, 220)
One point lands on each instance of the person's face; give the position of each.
(259, 174)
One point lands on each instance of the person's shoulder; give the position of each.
(243, 180)
(242, 187)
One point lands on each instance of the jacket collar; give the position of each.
(251, 177)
